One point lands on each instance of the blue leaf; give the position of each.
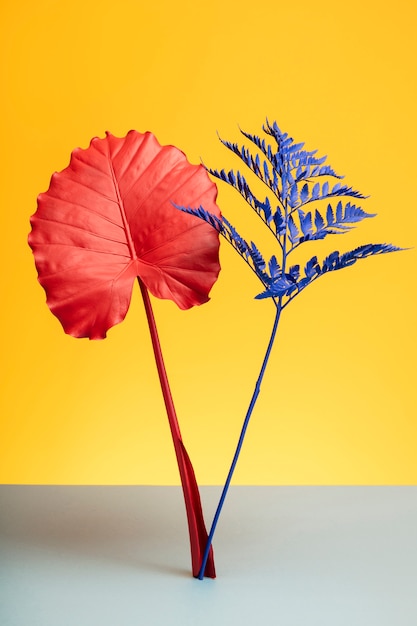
(315, 193)
(274, 268)
(326, 170)
(279, 221)
(285, 142)
(266, 207)
(329, 215)
(339, 190)
(274, 183)
(232, 178)
(348, 258)
(355, 214)
(295, 147)
(339, 212)
(304, 193)
(257, 259)
(293, 196)
(284, 186)
(262, 208)
(294, 234)
(318, 221)
(266, 171)
(306, 223)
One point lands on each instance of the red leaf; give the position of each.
(109, 217)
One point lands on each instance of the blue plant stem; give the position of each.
(241, 439)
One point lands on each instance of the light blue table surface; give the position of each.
(287, 556)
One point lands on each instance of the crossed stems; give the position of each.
(202, 557)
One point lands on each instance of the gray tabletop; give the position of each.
(291, 556)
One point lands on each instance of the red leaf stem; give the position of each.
(196, 526)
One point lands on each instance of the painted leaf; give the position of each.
(109, 217)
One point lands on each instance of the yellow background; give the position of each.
(338, 405)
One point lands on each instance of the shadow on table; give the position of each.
(137, 526)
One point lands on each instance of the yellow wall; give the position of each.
(339, 400)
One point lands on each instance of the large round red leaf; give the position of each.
(109, 217)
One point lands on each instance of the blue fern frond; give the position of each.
(238, 242)
(238, 182)
(362, 252)
(290, 173)
(290, 284)
(335, 221)
(325, 170)
(339, 190)
(265, 148)
(302, 195)
(213, 220)
(248, 251)
(252, 162)
(294, 157)
(351, 214)
(336, 261)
